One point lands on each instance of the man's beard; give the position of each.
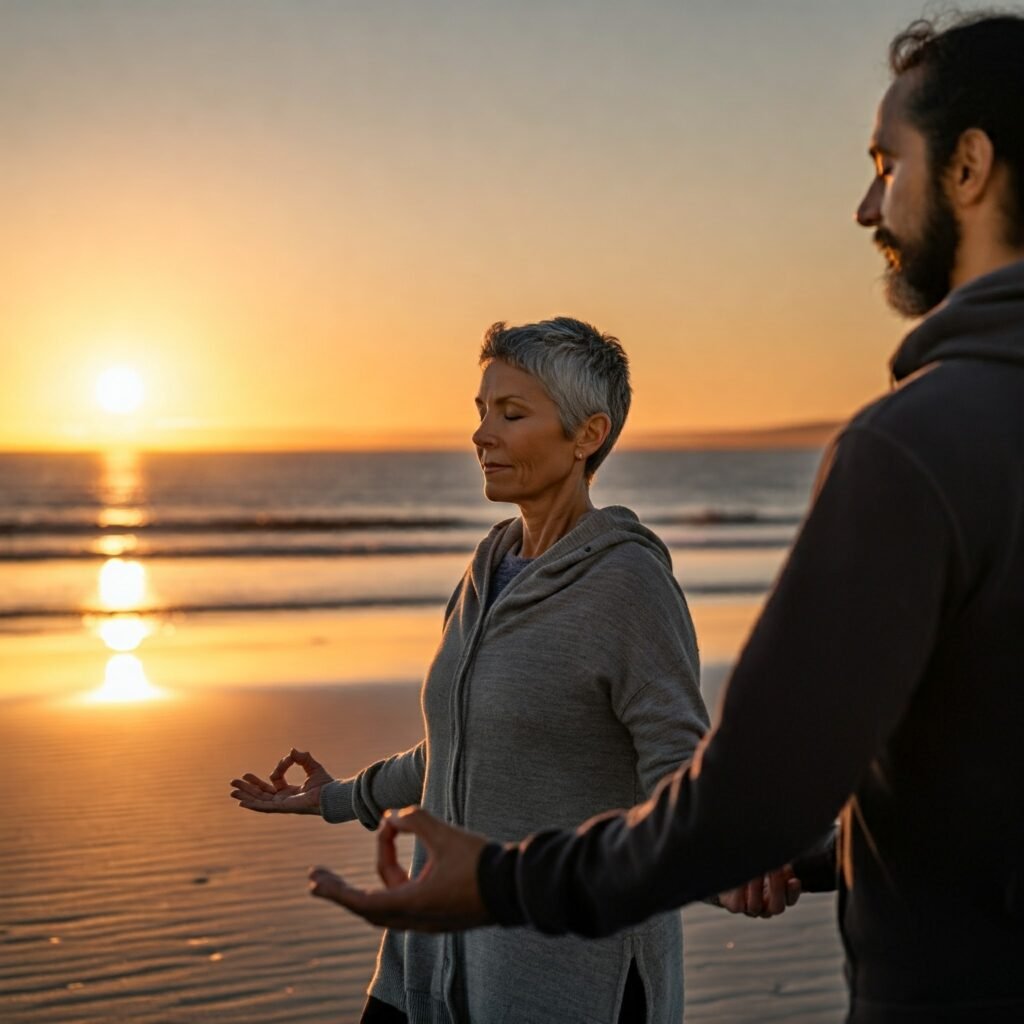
(920, 271)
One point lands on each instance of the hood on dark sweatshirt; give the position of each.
(983, 319)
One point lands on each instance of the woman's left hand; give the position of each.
(276, 796)
(764, 896)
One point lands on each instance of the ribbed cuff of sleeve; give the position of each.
(336, 801)
(496, 877)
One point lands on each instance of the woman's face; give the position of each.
(522, 448)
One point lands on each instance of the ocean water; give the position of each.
(257, 533)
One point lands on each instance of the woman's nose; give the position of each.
(481, 436)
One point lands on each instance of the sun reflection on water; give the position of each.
(124, 632)
(120, 478)
(124, 518)
(122, 584)
(114, 545)
(122, 491)
(123, 589)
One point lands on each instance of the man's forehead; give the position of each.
(891, 117)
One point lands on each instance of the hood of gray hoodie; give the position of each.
(984, 319)
(568, 557)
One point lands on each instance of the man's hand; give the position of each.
(764, 896)
(443, 898)
(276, 796)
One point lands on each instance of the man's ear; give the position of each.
(971, 169)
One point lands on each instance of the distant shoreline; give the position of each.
(786, 436)
(797, 435)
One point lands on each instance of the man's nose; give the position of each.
(869, 213)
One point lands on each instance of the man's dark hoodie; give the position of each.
(884, 681)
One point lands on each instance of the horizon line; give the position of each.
(814, 434)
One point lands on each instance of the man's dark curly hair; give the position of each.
(971, 73)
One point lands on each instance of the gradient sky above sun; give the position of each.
(293, 221)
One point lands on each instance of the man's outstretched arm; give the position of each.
(822, 682)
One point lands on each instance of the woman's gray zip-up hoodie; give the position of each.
(573, 694)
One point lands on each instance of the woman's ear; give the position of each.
(592, 433)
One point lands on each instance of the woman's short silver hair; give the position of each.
(584, 371)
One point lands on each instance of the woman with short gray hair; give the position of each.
(565, 683)
(583, 371)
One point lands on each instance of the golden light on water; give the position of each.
(121, 517)
(122, 584)
(124, 682)
(124, 632)
(121, 481)
(114, 545)
(123, 587)
(120, 390)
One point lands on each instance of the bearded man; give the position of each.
(884, 679)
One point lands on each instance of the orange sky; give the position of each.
(296, 220)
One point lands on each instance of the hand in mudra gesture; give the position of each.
(276, 796)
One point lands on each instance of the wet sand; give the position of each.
(134, 890)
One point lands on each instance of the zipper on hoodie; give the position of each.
(455, 815)
(456, 700)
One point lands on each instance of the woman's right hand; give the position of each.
(276, 796)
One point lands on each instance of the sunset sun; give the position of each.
(120, 390)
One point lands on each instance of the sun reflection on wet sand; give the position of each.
(124, 682)
(124, 679)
